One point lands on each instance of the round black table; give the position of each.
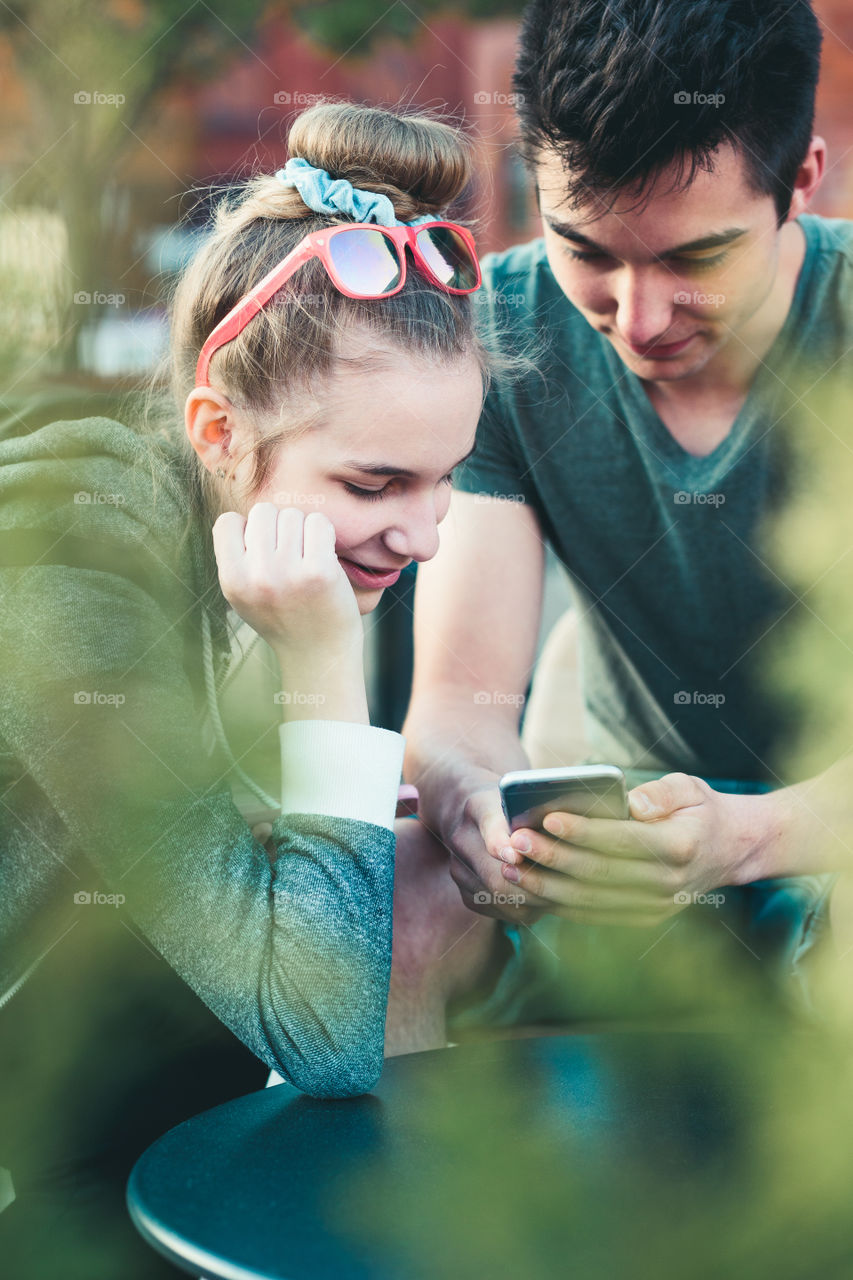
(626, 1154)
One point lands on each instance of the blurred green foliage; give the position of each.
(809, 543)
(659, 1154)
(710, 1157)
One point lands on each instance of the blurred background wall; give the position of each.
(114, 111)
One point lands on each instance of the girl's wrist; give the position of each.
(350, 705)
(324, 688)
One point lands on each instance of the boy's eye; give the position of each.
(702, 264)
(691, 264)
(579, 256)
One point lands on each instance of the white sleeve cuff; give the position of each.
(341, 769)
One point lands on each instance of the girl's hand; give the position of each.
(279, 571)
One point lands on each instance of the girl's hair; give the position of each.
(422, 165)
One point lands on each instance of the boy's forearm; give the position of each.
(807, 828)
(453, 750)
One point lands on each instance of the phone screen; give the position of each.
(527, 798)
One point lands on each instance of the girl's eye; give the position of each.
(370, 495)
(373, 495)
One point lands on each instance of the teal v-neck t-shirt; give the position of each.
(676, 601)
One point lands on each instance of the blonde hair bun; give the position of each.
(421, 164)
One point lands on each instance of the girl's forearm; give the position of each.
(452, 752)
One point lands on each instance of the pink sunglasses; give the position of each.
(362, 261)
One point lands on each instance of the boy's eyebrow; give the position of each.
(386, 469)
(568, 232)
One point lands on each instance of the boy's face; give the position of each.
(671, 284)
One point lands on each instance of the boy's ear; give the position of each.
(209, 422)
(808, 179)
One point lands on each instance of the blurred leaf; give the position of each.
(810, 545)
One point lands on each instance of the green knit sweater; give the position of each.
(108, 790)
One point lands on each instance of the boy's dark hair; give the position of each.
(616, 88)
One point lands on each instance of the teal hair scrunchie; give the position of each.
(328, 195)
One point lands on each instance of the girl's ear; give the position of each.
(210, 425)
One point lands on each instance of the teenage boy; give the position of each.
(679, 304)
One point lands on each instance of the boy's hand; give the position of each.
(685, 840)
(476, 846)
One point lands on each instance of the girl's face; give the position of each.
(378, 464)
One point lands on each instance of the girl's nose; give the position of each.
(416, 536)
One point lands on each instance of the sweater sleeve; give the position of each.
(294, 957)
(293, 954)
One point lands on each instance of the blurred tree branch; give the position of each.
(71, 150)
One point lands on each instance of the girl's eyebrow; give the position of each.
(386, 469)
(379, 469)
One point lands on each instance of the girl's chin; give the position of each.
(367, 598)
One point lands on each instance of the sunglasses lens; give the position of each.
(366, 261)
(448, 257)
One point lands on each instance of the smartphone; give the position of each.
(593, 790)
